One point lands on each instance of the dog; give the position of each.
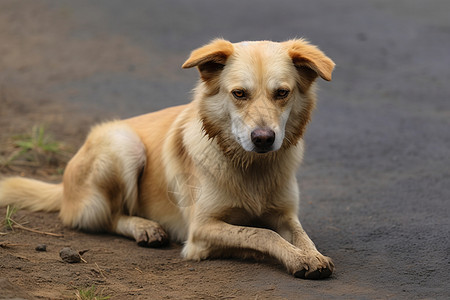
(217, 174)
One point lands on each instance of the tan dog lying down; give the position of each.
(217, 174)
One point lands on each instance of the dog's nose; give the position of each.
(263, 138)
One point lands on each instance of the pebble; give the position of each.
(41, 247)
(69, 255)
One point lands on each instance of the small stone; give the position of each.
(41, 247)
(69, 255)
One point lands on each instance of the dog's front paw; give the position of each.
(152, 236)
(314, 266)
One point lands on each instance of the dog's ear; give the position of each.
(210, 59)
(309, 61)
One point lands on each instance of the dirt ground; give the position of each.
(375, 181)
(117, 267)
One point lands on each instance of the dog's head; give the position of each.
(258, 94)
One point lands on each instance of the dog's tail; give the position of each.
(30, 194)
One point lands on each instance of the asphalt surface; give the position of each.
(375, 181)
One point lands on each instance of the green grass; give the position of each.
(10, 211)
(38, 140)
(90, 293)
(34, 149)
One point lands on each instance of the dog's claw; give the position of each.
(300, 274)
(316, 274)
(325, 273)
(153, 238)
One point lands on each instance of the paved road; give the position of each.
(376, 178)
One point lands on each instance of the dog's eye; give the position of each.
(281, 93)
(239, 94)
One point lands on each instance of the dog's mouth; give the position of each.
(255, 149)
(262, 150)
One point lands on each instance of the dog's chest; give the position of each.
(242, 217)
(252, 192)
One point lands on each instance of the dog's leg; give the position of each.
(205, 237)
(301, 240)
(146, 233)
(101, 186)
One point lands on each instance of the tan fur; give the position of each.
(30, 194)
(192, 171)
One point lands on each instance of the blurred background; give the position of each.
(376, 177)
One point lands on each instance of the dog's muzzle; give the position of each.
(263, 139)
